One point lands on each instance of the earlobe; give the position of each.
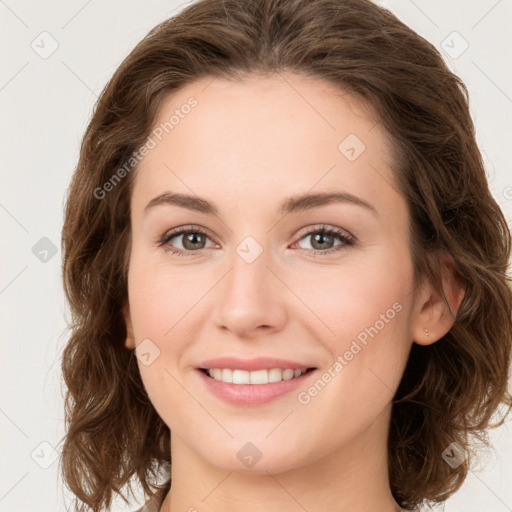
(434, 318)
(130, 339)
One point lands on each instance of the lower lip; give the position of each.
(252, 394)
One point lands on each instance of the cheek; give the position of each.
(163, 303)
(359, 296)
(365, 311)
(152, 305)
(161, 297)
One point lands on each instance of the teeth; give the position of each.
(255, 377)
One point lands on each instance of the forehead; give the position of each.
(263, 136)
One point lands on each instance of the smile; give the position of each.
(254, 387)
(264, 376)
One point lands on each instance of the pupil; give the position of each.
(192, 239)
(320, 236)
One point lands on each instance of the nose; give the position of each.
(251, 299)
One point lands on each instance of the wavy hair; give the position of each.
(450, 389)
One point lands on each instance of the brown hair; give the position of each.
(449, 389)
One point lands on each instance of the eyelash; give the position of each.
(348, 240)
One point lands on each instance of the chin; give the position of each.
(253, 457)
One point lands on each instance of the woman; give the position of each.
(286, 269)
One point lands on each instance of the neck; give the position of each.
(353, 478)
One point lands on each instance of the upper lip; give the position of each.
(258, 363)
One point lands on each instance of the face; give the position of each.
(242, 270)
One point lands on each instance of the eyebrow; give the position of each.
(294, 204)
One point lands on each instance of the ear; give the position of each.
(432, 318)
(130, 339)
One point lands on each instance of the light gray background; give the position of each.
(46, 103)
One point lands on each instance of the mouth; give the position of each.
(250, 388)
(253, 381)
(256, 377)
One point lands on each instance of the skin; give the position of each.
(245, 147)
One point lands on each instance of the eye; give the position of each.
(323, 237)
(193, 240)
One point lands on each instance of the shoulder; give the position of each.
(154, 504)
(149, 506)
